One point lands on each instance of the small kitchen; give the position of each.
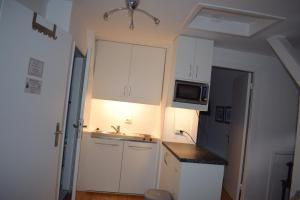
(144, 111)
(123, 150)
(147, 104)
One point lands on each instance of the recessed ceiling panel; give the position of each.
(229, 21)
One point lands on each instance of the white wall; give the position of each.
(59, 12)
(180, 119)
(55, 11)
(38, 6)
(91, 42)
(145, 118)
(212, 134)
(273, 114)
(290, 58)
(78, 27)
(1, 7)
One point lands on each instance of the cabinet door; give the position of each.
(111, 70)
(146, 74)
(170, 174)
(103, 165)
(139, 167)
(165, 171)
(185, 51)
(203, 60)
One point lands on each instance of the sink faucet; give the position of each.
(117, 129)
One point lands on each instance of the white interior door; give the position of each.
(72, 118)
(237, 135)
(29, 159)
(80, 123)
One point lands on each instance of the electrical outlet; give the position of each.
(179, 132)
(128, 121)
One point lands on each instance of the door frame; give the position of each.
(1, 8)
(85, 83)
(241, 189)
(66, 107)
(243, 178)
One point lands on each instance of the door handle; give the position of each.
(57, 133)
(78, 124)
(190, 73)
(165, 159)
(129, 90)
(124, 91)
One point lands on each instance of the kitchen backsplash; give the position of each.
(133, 118)
(180, 119)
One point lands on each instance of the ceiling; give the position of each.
(172, 14)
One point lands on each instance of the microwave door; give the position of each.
(188, 93)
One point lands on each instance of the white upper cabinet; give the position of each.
(185, 48)
(203, 59)
(111, 70)
(193, 59)
(126, 72)
(146, 74)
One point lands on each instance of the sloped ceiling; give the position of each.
(172, 14)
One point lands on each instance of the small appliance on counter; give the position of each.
(146, 137)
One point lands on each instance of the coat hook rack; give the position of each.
(42, 29)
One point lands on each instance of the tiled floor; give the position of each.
(100, 196)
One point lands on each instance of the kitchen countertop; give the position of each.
(123, 137)
(193, 154)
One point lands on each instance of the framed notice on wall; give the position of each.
(35, 68)
(219, 114)
(227, 114)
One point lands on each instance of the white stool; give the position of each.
(154, 194)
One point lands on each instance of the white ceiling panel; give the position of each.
(173, 13)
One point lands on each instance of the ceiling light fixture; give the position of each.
(131, 6)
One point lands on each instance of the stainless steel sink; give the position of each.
(121, 136)
(111, 133)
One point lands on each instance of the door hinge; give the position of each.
(251, 86)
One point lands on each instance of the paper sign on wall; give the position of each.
(33, 86)
(35, 68)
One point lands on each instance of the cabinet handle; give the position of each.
(190, 73)
(197, 69)
(129, 90)
(114, 145)
(165, 159)
(140, 148)
(124, 91)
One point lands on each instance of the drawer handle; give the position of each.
(140, 148)
(165, 159)
(114, 145)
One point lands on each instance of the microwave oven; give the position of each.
(191, 92)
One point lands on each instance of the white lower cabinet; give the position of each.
(138, 167)
(170, 173)
(103, 165)
(110, 165)
(190, 181)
